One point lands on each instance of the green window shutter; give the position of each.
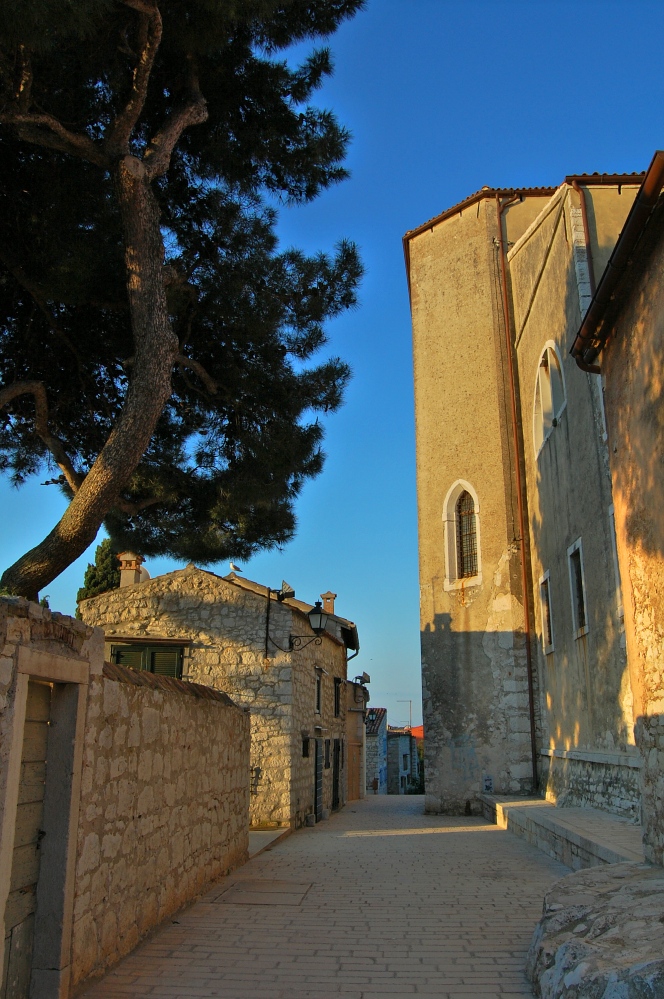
(166, 662)
(129, 655)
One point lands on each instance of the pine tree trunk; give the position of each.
(149, 389)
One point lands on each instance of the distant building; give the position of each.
(402, 762)
(258, 646)
(357, 697)
(376, 768)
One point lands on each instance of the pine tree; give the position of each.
(104, 575)
(154, 337)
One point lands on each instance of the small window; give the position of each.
(578, 589)
(466, 537)
(406, 761)
(547, 623)
(337, 696)
(327, 754)
(461, 526)
(549, 396)
(319, 692)
(305, 745)
(164, 660)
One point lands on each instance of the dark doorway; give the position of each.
(336, 772)
(318, 781)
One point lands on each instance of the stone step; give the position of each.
(577, 837)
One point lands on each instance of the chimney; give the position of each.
(328, 601)
(130, 568)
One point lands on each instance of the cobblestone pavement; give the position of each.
(399, 904)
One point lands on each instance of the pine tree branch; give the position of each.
(126, 506)
(158, 155)
(188, 362)
(53, 443)
(45, 130)
(151, 31)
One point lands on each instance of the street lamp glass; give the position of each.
(317, 618)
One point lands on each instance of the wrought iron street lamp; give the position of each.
(317, 621)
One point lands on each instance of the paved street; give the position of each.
(380, 900)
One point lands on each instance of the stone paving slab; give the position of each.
(400, 904)
(578, 837)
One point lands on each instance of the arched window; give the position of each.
(466, 536)
(549, 395)
(461, 522)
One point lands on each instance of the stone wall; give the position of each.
(329, 660)
(612, 785)
(633, 366)
(223, 626)
(164, 806)
(377, 760)
(152, 805)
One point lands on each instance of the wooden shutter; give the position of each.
(129, 655)
(167, 661)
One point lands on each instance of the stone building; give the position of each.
(376, 771)
(524, 669)
(357, 698)
(257, 645)
(122, 796)
(402, 760)
(622, 339)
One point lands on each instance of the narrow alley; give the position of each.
(381, 900)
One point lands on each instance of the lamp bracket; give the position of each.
(298, 642)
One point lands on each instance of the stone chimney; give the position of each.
(130, 568)
(328, 601)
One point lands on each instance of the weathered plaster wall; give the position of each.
(225, 626)
(586, 697)
(164, 804)
(473, 653)
(633, 366)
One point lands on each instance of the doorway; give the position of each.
(336, 773)
(318, 780)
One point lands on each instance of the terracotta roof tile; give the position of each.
(375, 718)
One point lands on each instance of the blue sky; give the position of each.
(442, 97)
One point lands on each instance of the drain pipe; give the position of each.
(500, 208)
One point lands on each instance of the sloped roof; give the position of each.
(348, 628)
(589, 179)
(375, 718)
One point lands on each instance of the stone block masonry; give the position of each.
(221, 624)
(122, 795)
(164, 807)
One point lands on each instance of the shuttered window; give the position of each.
(164, 660)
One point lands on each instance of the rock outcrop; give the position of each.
(601, 935)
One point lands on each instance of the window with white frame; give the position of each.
(547, 620)
(577, 585)
(461, 522)
(550, 399)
